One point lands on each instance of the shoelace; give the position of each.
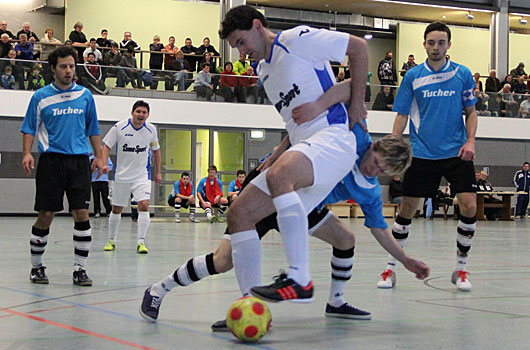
(386, 274)
(155, 302)
(463, 275)
(40, 272)
(279, 279)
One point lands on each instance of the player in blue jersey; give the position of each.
(100, 189)
(183, 196)
(235, 186)
(433, 95)
(62, 116)
(210, 194)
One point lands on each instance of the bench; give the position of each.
(347, 210)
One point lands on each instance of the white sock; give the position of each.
(246, 257)
(292, 221)
(398, 231)
(143, 225)
(161, 288)
(114, 225)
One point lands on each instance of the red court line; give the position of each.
(78, 330)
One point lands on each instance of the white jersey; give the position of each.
(298, 71)
(133, 147)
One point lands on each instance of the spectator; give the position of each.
(384, 100)
(24, 50)
(92, 49)
(518, 71)
(156, 59)
(113, 58)
(3, 30)
(206, 47)
(91, 77)
(521, 180)
(524, 109)
(483, 185)
(68, 42)
(340, 76)
(203, 83)
(48, 39)
(478, 83)
(31, 37)
(208, 60)
(229, 88)
(511, 106)
(507, 80)
(190, 52)
(35, 79)
(241, 65)
(408, 65)
(386, 72)
(5, 45)
(480, 106)
(171, 53)
(182, 69)
(8, 80)
(236, 185)
(104, 41)
(16, 68)
(127, 41)
(132, 71)
(395, 191)
(79, 40)
(496, 106)
(519, 86)
(493, 84)
(248, 86)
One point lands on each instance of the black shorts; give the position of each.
(59, 173)
(184, 204)
(212, 205)
(314, 218)
(422, 178)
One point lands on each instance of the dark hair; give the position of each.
(92, 39)
(140, 103)
(90, 53)
(114, 45)
(526, 163)
(239, 172)
(171, 37)
(62, 52)
(411, 55)
(212, 167)
(68, 42)
(104, 30)
(228, 63)
(204, 64)
(130, 48)
(188, 39)
(35, 67)
(185, 173)
(240, 18)
(437, 26)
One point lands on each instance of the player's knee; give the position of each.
(143, 206)
(178, 200)
(468, 208)
(347, 241)
(44, 220)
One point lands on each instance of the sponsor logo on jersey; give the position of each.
(438, 93)
(135, 149)
(129, 135)
(286, 98)
(69, 110)
(302, 32)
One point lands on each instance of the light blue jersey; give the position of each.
(435, 102)
(201, 188)
(103, 177)
(176, 189)
(365, 190)
(62, 119)
(232, 187)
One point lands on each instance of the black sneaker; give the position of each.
(284, 288)
(220, 326)
(38, 276)
(347, 311)
(80, 278)
(150, 306)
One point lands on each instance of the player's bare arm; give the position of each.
(158, 167)
(28, 163)
(467, 152)
(276, 153)
(105, 157)
(400, 123)
(98, 163)
(357, 53)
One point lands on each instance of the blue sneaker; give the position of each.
(150, 306)
(347, 311)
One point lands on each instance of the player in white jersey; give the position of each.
(134, 139)
(294, 69)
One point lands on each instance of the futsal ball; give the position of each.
(249, 319)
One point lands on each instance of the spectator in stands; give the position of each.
(16, 68)
(131, 70)
(340, 76)
(496, 106)
(104, 41)
(210, 194)
(235, 186)
(48, 39)
(3, 30)
(182, 69)
(493, 83)
(395, 191)
(190, 53)
(511, 105)
(484, 186)
(24, 50)
(518, 71)
(206, 47)
(229, 83)
(113, 58)
(386, 72)
(5, 45)
(171, 55)
(91, 77)
(8, 80)
(521, 180)
(524, 109)
(31, 37)
(248, 86)
(478, 83)
(203, 83)
(68, 42)
(480, 106)
(507, 80)
(128, 41)
(519, 86)
(92, 49)
(384, 100)
(78, 40)
(156, 60)
(408, 65)
(207, 58)
(241, 65)
(35, 79)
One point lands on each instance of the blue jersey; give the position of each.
(232, 187)
(435, 102)
(365, 190)
(201, 188)
(103, 177)
(62, 119)
(176, 189)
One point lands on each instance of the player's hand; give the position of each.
(419, 268)
(216, 200)
(158, 179)
(467, 152)
(356, 114)
(306, 112)
(98, 164)
(267, 163)
(28, 163)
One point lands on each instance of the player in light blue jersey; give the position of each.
(236, 185)
(183, 195)
(63, 117)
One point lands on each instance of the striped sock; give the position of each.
(208, 212)
(464, 237)
(341, 270)
(400, 231)
(192, 212)
(82, 243)
(38, 241)
(177, 210)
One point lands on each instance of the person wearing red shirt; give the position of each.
(248, 85)
(229, 83)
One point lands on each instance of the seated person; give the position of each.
(241, 65)
(248, 86)
(208, 59)
(395, 190)
(90, 75)
(5, 45)
(16, 68)
(496, 106)
(183, 195)
(484, 186)
(104, 41)
(235, 186)
(92, 48)
(524, 109)
(480, 106)
(210, 193)
(182, 69)
(8, 80)
(384, 100)
(35, 79)
(131, 68)
(113, 59)
(24, 50)
(511, 106)
(229, 83)
(519, 86)
(202, 84)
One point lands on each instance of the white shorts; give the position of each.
(120, 192)
(333, 152)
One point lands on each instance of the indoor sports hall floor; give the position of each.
(416, 314)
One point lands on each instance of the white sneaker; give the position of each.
(97, 215)
(388, 279)
(194, 220)
(460, 279)
(177, 219)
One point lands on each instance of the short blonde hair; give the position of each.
(156, 37)
(78, 24)
(395, 152)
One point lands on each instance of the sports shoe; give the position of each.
(141, 249)
(347, 311)
(284, 288)
(219, 219)
(110, 246)
(220, 326)
(388, 279)
(194, 220)
(150, 306)
(97, 215)
(177, 219)
(38, 276)
(460, 279)
(80, 278)
(211, 219)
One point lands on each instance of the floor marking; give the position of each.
(475, 309)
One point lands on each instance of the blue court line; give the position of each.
(139, 319)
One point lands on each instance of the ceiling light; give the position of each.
(469, 16)
(368, 36)
(523, 21)
(444, 16)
